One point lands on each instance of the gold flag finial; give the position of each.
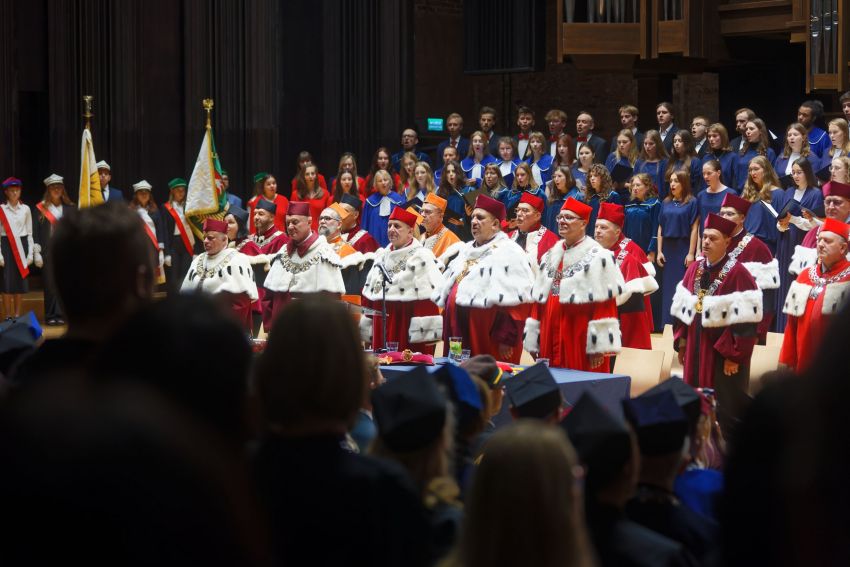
(208, 106)
(87, 113)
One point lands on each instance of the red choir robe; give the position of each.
(281, 204)
(757, 258)
(576, 291)
(485, 295)
(361, 187)
(724, 329)
(538, 241)
(413, 319)
(809, 318)
(228, 276)
(317, 205)
(633, 304)
(293, 185)
(306, 268)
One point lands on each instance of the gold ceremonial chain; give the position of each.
(296, 267)
(397, 268)
(582, 264)
(204, 272)
(469, 263)
(701, 293)
(262, 240)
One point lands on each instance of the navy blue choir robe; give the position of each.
(819, 141)
(475, 170)
(656, 171)
(579, 176)
(762, 223)
(595, 200)
(642, 223)
(541, 169)
(695, 173)
(708, 202)
(742, 164)
(507, 168)
(727, 161)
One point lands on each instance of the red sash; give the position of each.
(151, 235)
(46, 213)
(179, 224)
(15, 245)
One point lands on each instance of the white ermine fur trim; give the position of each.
(598, 281)
(450, 252)
(531, 335)
(259, 259)
(766, 275)
(499, 273)
(355, 259)
(650, 268)
(317, 271)
(644, 286)
(835, 297)
(732, 308)
(795, 301)
(684, 305)
(417, 279)
(365, 329)
(603, 336)
(231, 273)
(426, 329)
(803, 258)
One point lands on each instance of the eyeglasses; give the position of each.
(567, 218)
(327, 218)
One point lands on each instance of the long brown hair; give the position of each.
(567, 141)
(445, 189)
(633, 147)
(151, 206)
(764, 138)
(301, 188)
(532, 183)
(689, 151)
(64, 199)
(753, 192)
(660, 150)
(805, 149)
(552, 192)
(600, 171)
(684, 179)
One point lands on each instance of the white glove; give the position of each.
(2, 262)
(29, 260)
(39, 261)
(168, 261)
(161, 258)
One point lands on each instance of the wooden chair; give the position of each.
(643, 366)
(774, 339)
(765, 359)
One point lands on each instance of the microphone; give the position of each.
(387, 277)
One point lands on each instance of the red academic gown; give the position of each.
(809, 318)
(316, 205)
(319, 177)
(281, 202)
(634, 308)
(360, 240)
(759, 261)
(538, 241)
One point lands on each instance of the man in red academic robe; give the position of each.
(534, 238)
(816, 295)
(267, 236)
(355, 236)
(633, 304)
(413, 320)
(836, 202)
(756, 257)
(717, 307)
(486, 287)
(574, 323)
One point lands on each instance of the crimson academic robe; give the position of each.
(808, 318)
(360, 240)
(413, 320)
(281, 204)
(757, 258)
(576, 291)
(538, 241)
(633, 306)
(484, 297)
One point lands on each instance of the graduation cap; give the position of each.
(410, 411)
(602, 440)
(461, 390)
(351, 201)
(534, 392)
(621, 173)
(239, 214)
(415, 202)
(659, 422)
(471, 196)
(686, 396)
(17, 336)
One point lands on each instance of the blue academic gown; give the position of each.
(642, 223)
(727, 161)
(507, 169)
(510, 197)
(595, 201)
(788, 241)
(762, 223)
(742, 165)
(471, 172)
(819, 141)
(695, 174)
(541, 169)
(579, 176)
(396, 158)
(675, 221)
(373, 222)
(708, 202)
(656, 172)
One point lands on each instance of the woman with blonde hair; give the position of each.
(839, 135)
(761, 189)
(422, 182)
(719, 149)
(539, 158)
(529, 473)
(653, 160)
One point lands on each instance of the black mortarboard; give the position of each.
(659, 422)
(351, 201)
(601, 439)
(471, 196)
(534, 392)
(239, 213)
(266, 206)
(410, 411)
(687, 398)
(621, 173)
(415, 202)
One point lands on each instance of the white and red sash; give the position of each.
(51, 218)
(178, 222)
(15, 244)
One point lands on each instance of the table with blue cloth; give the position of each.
(609, 389)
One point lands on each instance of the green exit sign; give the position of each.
(435, 124)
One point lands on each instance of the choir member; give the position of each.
(379, 205)
(145, 206)
(54, 205)
(305, 158)
(530, 234)
(574, 322)
(308, 190)
(558, 190)
(642, 215)
(493, 183)
(422, 183)
(815, 297)
(557, 121)
(476, 159)
(581, 167)
(742, 116)
(625, 155)
(348, 163)
(600, 189)
(653, 160)
(345, 184)
(413, 320)
(666, 124)
(539, 159)
(720, 150)
(717, 307)
(762, 189)
(792, 227)
(486, 288)
(380, 162)
(684, 157)
(699, 131)
(628, 121)
(796, 147)
(487, 123)
(409, 141)
(839, 137)
(756, 143)
(450, 153)
(633, 306)
(405, 172)
(808, 114)
(454, 126)
(678, 233)
(452, 189)
(506, 159)
(586, 137)
(180, 244)
(708, 201)
(525, 123)
(265, 189)
(564, 151)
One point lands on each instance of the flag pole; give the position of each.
(208, 106)
(87, 113)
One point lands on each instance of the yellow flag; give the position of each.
(90, 191)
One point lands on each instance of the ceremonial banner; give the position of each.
(90, 190)
(205, 196)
